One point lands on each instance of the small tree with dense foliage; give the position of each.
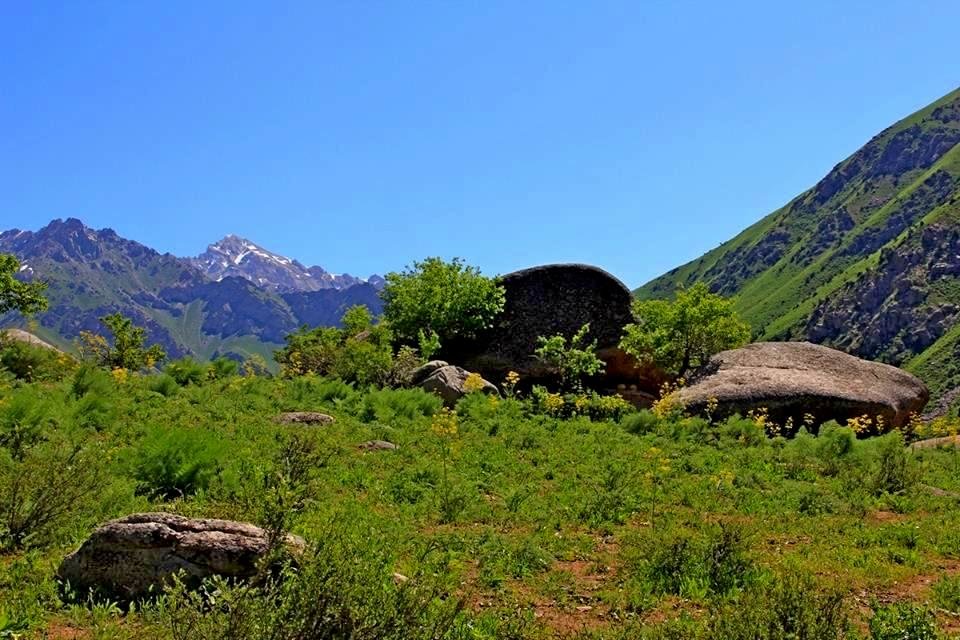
(683, 333)
(572, 361)
(25, 297)
(127, 350)
(448, 299)
(360, 352)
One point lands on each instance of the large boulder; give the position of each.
(793, 379)
(137, 555)
(550, 300)
(450, 383)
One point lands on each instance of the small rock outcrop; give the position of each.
(19, 335)
(377, 445)
(792, 379)
(138, 554)
(943, 442)
(449, 382)
(423, 372)
(305, 417)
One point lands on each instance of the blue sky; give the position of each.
(363, 135)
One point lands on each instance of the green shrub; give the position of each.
(50, 485)
(89, 379)
(835, 444)
(186, 371)
(31, 363)
(641, 422)
(24, 418)
(903, 621)
(790, 608)
(389, 405)
(572, 361)
(342, 588)
(744, 430)
(361, 352)
(690, 566)
(946, 592)
(93, 411)
(222, 368)
(163, 384)
(172, 463)
(894, 468)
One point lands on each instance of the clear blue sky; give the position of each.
(363, 135)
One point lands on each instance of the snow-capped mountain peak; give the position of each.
(235, 256)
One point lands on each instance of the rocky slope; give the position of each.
(867, 260)
(189, 310)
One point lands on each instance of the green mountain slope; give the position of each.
(866, 261)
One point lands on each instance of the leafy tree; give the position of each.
(447, 299)
(683, 333)
(127, 350)
(572, 362)
(25, 297)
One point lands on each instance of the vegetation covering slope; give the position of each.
(866, 261)
(499, 521)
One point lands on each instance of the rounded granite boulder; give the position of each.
(794, 379)
(137, 555)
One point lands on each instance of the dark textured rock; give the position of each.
(449, 383)
(136, 555)
(792, 379)
(305, 417)
(550, 300)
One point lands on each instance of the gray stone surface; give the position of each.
(792, 379)
(138, 554)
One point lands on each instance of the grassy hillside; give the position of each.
(513, 524)
(801, 272)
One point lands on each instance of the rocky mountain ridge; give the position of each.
(236, 256)
(92, 273)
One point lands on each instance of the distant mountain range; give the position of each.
(234, 300)
(867, 260)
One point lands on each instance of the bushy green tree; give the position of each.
(25, 297)
(680, 334)
(572, 361)
(450, 299)
(127, 351)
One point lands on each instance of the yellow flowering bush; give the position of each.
(510, 383)
(669, 404)
(445, 423)
(473, 383)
